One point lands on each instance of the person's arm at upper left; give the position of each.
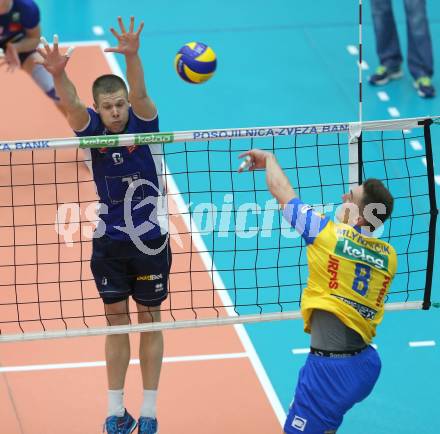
(128, 44)
(30, 19)
(29, 42)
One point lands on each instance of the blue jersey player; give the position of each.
(350, 272)
(19, 37)
(132, 257)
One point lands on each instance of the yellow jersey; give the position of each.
(349, 272)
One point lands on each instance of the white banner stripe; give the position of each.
(205, 135)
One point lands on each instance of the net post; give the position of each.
(433, 211)
(359, 139)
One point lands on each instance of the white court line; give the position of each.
(226, 300)
(98, 30)
(393, 112)
(215, 276)
(84, 43)
(383, 96)
(415, 344)
(364, 65)
(353, 50)
(301, 351)
(416, 145)
(54, 366)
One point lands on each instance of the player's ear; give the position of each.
(95, 107)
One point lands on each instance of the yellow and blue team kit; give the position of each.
(349, 272)
(349, 276)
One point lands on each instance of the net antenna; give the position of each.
(355, 135)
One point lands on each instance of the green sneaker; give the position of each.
(383, 75)
(424, 87)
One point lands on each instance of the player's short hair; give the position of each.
(376, 192)
(108, 83)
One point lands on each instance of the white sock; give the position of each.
(148, 408)
(116, 403)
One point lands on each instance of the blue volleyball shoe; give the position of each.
(383, 75)
(424, 87)
(147, 425)
(120, 425)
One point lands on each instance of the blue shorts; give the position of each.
(327, 388)
(121, 270)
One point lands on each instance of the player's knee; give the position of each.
(115, 319)
(148, 315)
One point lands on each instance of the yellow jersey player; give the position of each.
(350, 272)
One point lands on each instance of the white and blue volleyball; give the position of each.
(195, 62)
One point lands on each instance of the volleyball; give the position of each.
(195, 62)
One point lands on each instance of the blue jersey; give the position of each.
(129, 182)
(23, 15)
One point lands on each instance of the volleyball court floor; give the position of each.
(212, 381)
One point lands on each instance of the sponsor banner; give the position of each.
(369, 243)
(151, 138)
(20, 146)
(99, 142)
(277, 131)
(364, 311)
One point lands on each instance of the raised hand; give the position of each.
(128, 42)
(53, 60)
(255, 159)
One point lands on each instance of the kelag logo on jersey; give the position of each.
(350, 250)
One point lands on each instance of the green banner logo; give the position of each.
(350, 250)
(99, 142)
(151, 138)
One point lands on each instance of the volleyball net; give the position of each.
(235, 259)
